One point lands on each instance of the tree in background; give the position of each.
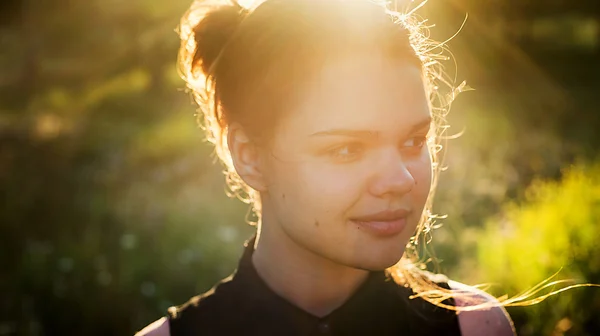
(111, 209)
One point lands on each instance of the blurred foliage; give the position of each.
(556, 225)
(113, 209)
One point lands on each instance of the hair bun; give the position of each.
(213, 32)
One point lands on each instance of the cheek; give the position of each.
(421, 170)
(331, 179)
(318, 191)
(327, 186)
(423, 175)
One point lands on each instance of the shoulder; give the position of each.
(493, 321)
(157, 328)
(206, 311)
(183, 317)
(221, 298)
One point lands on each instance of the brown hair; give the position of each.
(247, 64)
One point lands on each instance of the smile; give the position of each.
(385, 223)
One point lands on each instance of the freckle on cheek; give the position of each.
(283, 196)
(316, 223)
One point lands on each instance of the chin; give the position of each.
(378, 261)
(384, 264)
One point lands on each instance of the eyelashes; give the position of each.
(347, 152)
(416, 142)
(350, 152)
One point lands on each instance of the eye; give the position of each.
(415, 143)
(347, 152)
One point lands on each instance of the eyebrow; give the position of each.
(364, 134)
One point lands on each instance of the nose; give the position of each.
(393, 178)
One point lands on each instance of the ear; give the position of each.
(245, 156)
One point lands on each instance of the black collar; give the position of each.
(375, 307)
(243, 304)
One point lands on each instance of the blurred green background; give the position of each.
(112, 208)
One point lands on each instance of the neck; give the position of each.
(309, 281)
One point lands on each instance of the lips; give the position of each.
(385, 223)
(384, 216)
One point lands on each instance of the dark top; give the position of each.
(243, 304)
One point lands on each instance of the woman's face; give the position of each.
(349, 171)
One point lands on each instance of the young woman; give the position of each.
(321, 113)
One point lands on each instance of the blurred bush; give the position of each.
(556, 226)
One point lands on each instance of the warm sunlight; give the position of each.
(116, 207)
(248, 3)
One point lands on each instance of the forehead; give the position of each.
(366, 92)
